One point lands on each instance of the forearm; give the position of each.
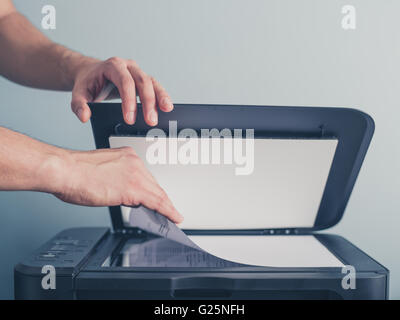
(30, 58)
(107, 177)
(27, 164)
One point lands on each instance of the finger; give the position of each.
(152, 196)
(156, 202)
(80, 107)
(164, 101)
(147, 96)
(118, 74)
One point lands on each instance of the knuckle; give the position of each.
(164, 97)
(129, 151)
(161, 199)
(147, 81)
(127, 81)
(143, 79)
(115, 61)
(132, 62)
(128, 154)
(149, 98)
(130, 199)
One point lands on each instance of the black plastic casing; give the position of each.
(85, 278)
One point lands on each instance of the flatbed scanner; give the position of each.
(254, 221)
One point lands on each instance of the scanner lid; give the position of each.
(306, 161)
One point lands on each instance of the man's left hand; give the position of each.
(130, 81)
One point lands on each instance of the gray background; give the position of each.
(218, 51)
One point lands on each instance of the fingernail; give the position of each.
(153, 117)
(167, 103)
(130, 116)
(179, 217)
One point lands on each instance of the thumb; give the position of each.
(80, 107)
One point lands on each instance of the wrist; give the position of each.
(72, 63)
(80, 66)
(53, 174)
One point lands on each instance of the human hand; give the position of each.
(110, 177)
(129, 80)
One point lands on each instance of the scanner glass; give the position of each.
(228, 251)
(282, 189)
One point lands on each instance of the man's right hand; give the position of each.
(110, 177)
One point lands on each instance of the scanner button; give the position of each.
(48, 255)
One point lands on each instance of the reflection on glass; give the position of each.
(161, 252)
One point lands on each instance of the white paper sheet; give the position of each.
(272, 251)
(154, 223)
(268, 251)
(160, 252)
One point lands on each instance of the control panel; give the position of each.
(67, 250)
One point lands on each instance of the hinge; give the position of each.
(131, 231)
(322, 130)
(284, 231)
